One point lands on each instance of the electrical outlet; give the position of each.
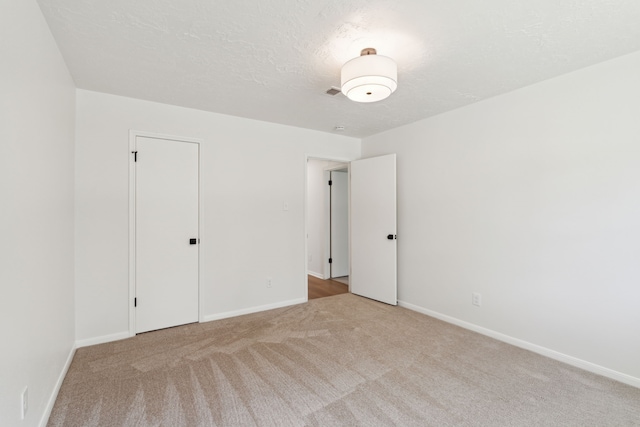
(25, 402)
(285, 206)
(268, 282)
(476, 299)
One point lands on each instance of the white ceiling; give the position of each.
(273, 60)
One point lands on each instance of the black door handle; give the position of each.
(193, 241)
(392, 236)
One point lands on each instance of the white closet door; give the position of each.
(166, 223)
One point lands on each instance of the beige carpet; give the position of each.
(336, 361)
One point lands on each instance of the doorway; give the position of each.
(164, 232)
(372, 247)
(327, 227)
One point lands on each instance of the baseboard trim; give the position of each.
(56, 389)
(250, 310)
(561, 357)
(314, 274)
(123, 335)
(103, 339)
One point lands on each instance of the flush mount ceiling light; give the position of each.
(369, 77)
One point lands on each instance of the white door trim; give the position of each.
(327, 215)
(133, 134)
(326, 197)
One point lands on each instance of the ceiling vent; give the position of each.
(333, 91)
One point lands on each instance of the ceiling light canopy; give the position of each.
(369, 77)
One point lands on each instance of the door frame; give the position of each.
(328, 216)
(347, 164)
(133, 134)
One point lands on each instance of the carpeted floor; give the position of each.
(336, 361)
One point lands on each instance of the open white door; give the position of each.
(373, 229)
(166, 233)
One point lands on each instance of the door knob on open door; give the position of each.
(391, 236)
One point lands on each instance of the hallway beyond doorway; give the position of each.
(319, 288)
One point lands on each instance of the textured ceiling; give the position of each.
(274, 60)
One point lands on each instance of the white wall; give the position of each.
(532, 199)
(37, 103)
(249, 169)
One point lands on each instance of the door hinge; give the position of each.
(135, 302)
(330, 182)
(135, 156)
(330, 260)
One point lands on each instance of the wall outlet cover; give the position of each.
(476, 299)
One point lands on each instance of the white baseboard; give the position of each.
(250, 310)
(123, 335)
(103, 339)
(54, 394)
(561, 357)
(314, 274)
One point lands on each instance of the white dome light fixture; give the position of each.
(369, 77)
